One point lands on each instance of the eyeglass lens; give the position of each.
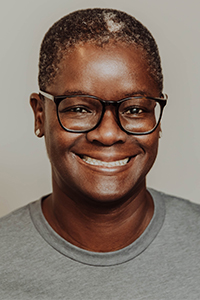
(83, 113)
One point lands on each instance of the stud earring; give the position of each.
(37, 132)
(160, 134)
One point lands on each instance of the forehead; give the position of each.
(90, 53)
(91, 66)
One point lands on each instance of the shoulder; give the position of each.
(17, 217)
(16, 226)
(19, 239)
(175, 203)
(181, 216)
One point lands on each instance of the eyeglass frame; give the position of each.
(57, 99)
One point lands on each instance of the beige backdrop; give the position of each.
(25, 170)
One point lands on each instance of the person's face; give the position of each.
(110, 73)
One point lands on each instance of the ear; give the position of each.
(37, 105)
(160, 131)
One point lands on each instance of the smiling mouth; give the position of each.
(96, 162)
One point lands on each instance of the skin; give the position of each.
(94, 207)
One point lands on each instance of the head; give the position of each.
(107, 54)
(98, 27)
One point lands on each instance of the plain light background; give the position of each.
(25, 170)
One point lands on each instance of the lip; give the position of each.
(109, 164)
(105, 157)
(106, 168)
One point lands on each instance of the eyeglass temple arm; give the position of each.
(46, 95)
(165, 97)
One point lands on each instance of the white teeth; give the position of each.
(97, 162)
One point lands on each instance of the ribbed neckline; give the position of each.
(96, 258)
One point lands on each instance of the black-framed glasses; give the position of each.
(136, 115)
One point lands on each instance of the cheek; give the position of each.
(50, 132)
(57, 145)
(152, 148)
(53, 133)
(59, 142)
(149, 144)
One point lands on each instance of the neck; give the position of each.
(99, 228)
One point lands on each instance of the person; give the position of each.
(101, 233)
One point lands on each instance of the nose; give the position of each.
(108, 132)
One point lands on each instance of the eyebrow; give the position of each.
(138, 92)
(76, 92)
(79, 92)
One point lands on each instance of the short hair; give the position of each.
(97, 26)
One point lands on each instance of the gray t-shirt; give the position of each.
(163, 263)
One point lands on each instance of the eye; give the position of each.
(79, 110)
(134, 111)
(75, 109)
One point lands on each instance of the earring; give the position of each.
(37, 132)
(160, 134)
